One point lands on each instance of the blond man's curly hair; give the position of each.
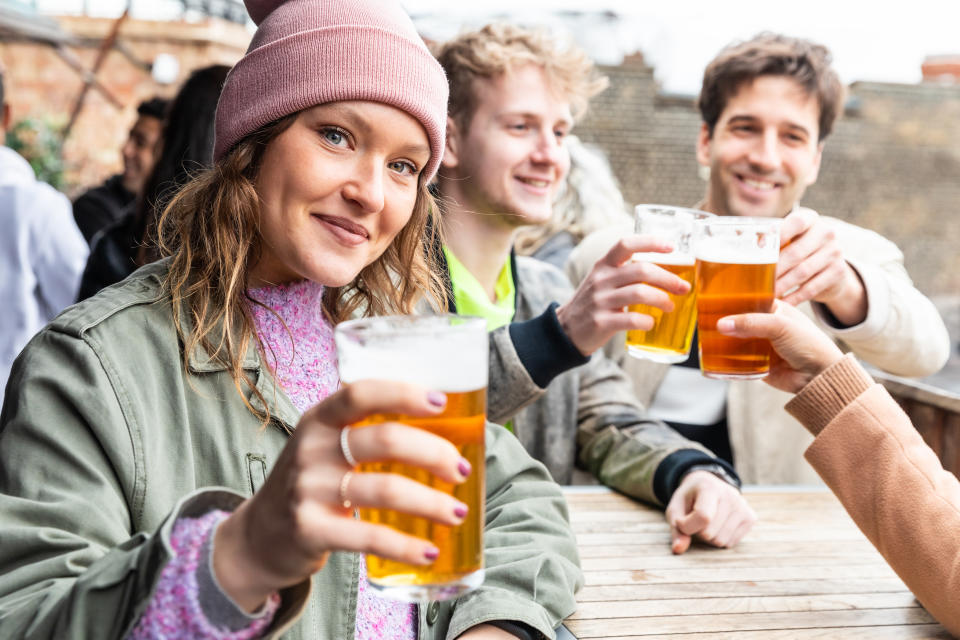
(497, 48)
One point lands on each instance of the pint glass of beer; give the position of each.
(669, 339)
(445, 353)
(736, 269)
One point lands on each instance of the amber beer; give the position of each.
(461, 547)
(669, 339)
(736, 270)
(444, 353)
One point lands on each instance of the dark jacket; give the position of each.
(101, 206)
(112, 255)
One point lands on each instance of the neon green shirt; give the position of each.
(472, 300)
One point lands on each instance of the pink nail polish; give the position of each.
(464, 467)
(432, 553)
(436, 398)
(460, 511)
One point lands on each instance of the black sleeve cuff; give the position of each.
(519, 629)
(544, 348)
(672, 468)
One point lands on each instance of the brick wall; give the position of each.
(41, 84)
(892, 163)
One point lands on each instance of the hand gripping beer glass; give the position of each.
(445, 353)
(736, 269)
(669, 339)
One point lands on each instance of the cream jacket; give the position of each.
(902, 334)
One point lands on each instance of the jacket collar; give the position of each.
(280, 407)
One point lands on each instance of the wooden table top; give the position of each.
(804, 571)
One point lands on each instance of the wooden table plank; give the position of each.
(664, 625)
(762, 604)
(804, 571)
(725, 574)
(614, 593)
(721, 559)
(911, 632)
(746, 547)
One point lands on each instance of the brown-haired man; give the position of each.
(104, 205)
(515, 94)
(767, 106)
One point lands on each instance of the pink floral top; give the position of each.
(299, 348)
(306, 368)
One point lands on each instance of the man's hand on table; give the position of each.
(709, 508)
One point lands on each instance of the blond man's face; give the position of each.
(511, 160)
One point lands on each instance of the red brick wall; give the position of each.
(41, 84)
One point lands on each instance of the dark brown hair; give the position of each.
(210, 229)
(770, 54)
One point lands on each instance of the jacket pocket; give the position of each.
(256, 470)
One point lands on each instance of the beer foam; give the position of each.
(672, 258)
(453, 362)
(723, 253)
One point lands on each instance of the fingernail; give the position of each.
(464, 467)
(460, 511)
(432, 553)
(725, 325)
(436, 398)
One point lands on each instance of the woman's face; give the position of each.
(335, 188)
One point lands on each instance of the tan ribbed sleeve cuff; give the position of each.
(820, 401)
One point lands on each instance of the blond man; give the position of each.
(515, 96)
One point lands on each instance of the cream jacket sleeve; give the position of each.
(903, 332)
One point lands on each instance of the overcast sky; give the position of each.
(879, 41)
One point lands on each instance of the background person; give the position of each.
(170, 455)
(99, 207)
(515, 94)
(185, 149)
(891, 483)
(41, 251)
(768, 105)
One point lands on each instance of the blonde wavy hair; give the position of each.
(210, 230)
(497, 48)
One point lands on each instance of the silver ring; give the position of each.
(344, 484)
(345, 447)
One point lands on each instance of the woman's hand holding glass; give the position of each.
(804, 349)
(285, 532)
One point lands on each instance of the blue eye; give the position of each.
(334, 136)
(404, 167)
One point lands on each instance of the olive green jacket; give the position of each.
(106, 439)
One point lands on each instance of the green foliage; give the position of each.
(38, 140)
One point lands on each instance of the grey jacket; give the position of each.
(105, 439)
(573, 413)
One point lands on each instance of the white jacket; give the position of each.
(42, 256)
(902, 334)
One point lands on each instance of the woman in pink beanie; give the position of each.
(171, 463)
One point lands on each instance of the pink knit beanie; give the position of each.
(308, 52)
